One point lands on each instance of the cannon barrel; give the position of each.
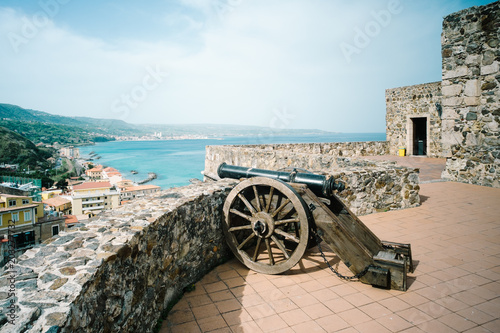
(319, 184)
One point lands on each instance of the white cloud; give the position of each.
(236, 66)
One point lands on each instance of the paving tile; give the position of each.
(332, 323)
(212, 323)
(237, 317)
(375, 310)
(228, 305)
(414, 316)
(304, 300)
(191, 326)
(294, 317)
(394, 323)
(271, 323)
(358, 299)
(250, 300)
(227, 274)
(248, 327)
(282, 305)
(354, 316)
(435, 326)
(234, 282)
(260, 311)
(492, 325)
(338, 305)
(317, 311)
(199, 300)
(477, 316)
(242, 291)
(205, 311)
(394, 304)
(457, 322)
(308, 327)
(433, 309)
(371, 327)
(221, 295)
(215, 286)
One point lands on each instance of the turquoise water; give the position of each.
(177, 161)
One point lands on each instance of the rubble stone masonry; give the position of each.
(471, 95)
(405, 103)
(122, 269)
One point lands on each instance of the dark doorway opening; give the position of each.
(419, 136)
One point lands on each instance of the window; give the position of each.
(12, 203)
(36, 211)
(27, 216)
(55, 230)
(26, 202)
(15, 217)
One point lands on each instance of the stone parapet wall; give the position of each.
(281, 156)
(418, 101)
(471, 95)
(370, 185)
(121, 270)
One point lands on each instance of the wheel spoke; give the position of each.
(268, 246)
(243, 215)
(286, 235)
(281, 246)
(276, 212)
(243, 227)
(270, 199)
(257, 247)
(279, 222)
(248, 204)
(252, 235)
(257, 199)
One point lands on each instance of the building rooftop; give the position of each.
(140, 188)
(455, 240)
(91, 185)
(56, 201)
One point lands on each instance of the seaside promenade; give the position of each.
(455, 239)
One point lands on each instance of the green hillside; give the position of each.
(16, 149)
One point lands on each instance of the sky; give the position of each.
(291, 64)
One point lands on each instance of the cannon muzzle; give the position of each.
(320, 185)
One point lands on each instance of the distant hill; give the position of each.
(16, 149)
(41, 126)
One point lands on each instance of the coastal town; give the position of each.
(40, 212)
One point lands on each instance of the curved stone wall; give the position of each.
(119, 271)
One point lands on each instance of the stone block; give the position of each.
(457, 72)
(471, 101)
(452, 90)
(472, 88)
(490, 69)
(452, 101)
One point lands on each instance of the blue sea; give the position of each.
(177, 161)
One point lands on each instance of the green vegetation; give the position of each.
(16, 149)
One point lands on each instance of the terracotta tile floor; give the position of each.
(430, 168)
(455, 239)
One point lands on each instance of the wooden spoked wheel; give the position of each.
(266, 225)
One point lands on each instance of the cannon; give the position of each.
(272, 217)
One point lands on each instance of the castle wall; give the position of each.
(122, 269)
(406, 103)
(471, 95)
(370, 185)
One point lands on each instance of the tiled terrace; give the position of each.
(455, 239)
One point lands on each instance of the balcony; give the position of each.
(92, 208)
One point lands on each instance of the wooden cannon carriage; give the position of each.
(272, 217)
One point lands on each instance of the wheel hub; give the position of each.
(263, 225)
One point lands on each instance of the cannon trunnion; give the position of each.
(272, 217)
